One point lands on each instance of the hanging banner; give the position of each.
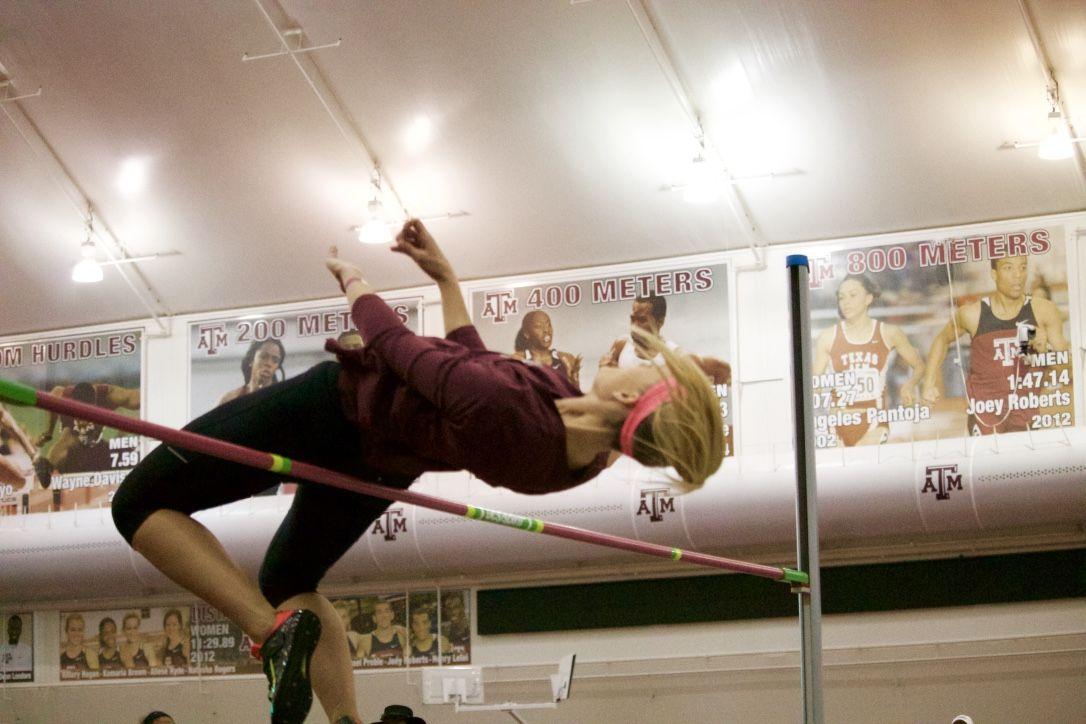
(219, 647)
(425, 640)
(398, 629)
(17, 647)
(354, 623)
(232, 357)
(119, 644)
(384, 617)
(456, 627)
(384, 631)
(577, 327)
(939, 338)
(54, 462)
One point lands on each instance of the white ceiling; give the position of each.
(555, 128)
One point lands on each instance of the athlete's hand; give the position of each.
(416, 242)
(575, 367)
(907, 396)
(931, 394)
(1039, 343)
(341, 270)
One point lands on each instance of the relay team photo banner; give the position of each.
(392, 630)
(942, 338)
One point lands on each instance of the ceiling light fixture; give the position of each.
(376, 229)
(87, 270)
(703, 183)
(1059, 144)
(291, 41)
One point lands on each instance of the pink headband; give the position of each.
(646, 404)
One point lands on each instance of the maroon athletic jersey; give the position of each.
(868, 360)
(430, 404)
(993, 362)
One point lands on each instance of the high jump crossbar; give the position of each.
(20, 394)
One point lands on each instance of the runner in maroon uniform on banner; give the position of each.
(1006, 327)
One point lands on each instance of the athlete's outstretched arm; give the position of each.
(8, 422)
(122, 397)
(939, 347)
(898, 341)
(1050, 327)
(611, 358)
(439, 374)
(962, 323)
(415, 241)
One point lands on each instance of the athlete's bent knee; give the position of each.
(129, 508)
(277, 585)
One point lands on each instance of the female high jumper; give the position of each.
(401, 406)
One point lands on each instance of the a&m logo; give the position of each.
(821, 270)
(941, 479)
(1006, 349)
(499, 305)
(211, 337)
(391, 522)
(655, 502)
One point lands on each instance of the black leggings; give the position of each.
(301, 418)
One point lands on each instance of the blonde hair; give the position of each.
(685, 433)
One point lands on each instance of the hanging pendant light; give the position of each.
(1057, 145)
(376, 229)
(703, 183)
(87, 270)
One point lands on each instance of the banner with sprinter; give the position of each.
(580, 323)
(233, 356)
(933, 338)
(53, 462)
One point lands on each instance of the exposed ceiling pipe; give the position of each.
(1051, 81)
(308, 49)
(650, 31)
(23, 97)
(58, 172)
(322, 89)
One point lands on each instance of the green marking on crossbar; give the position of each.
(533, 525)
(676, 553)
(793, 576)
(280, 464)
(17, 393)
